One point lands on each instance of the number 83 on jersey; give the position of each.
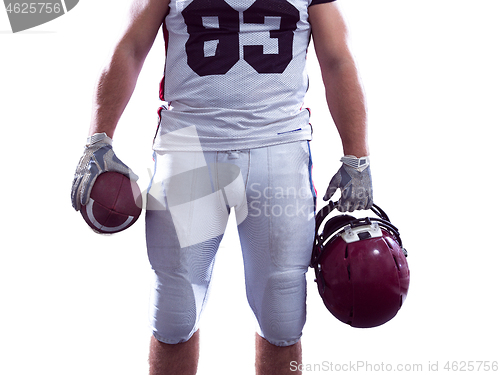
(216, 30)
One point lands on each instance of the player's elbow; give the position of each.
(131, 50)
(127, 57)
(338, 70)
(336, 62)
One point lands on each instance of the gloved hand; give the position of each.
(98, 157)
(355, 183)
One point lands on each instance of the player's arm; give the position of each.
(344, 93)
(114, 89)
(118, 79)
(346, 103)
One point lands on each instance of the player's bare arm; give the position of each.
(344, 93)
(346, 102)
(118, 79)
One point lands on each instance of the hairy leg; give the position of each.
(177, 359)
(275, 360)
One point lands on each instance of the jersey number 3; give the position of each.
(216, 23)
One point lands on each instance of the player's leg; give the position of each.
(166, 359)
(275, 360)
(276, 239)
(182, 265)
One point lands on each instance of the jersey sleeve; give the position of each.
(315, 2)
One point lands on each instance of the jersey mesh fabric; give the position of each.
(235, 71)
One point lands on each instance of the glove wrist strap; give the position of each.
(360, 164)
(98, 138)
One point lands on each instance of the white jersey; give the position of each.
(235, 74)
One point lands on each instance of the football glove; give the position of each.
(98, 157)
(355, 183)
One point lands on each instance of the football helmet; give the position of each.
(361, 268)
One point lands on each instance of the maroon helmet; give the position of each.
(361, 268)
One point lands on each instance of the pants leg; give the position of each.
(277, 237)
(185, 221)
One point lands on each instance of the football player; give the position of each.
(233, 134)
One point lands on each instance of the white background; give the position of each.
(73, 302)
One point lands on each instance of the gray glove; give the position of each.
(355, 183)
(98, 157)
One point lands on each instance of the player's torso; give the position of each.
(239, 60)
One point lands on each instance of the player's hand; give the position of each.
(355, 183)
(98, 157)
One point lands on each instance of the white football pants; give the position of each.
(189, 201)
